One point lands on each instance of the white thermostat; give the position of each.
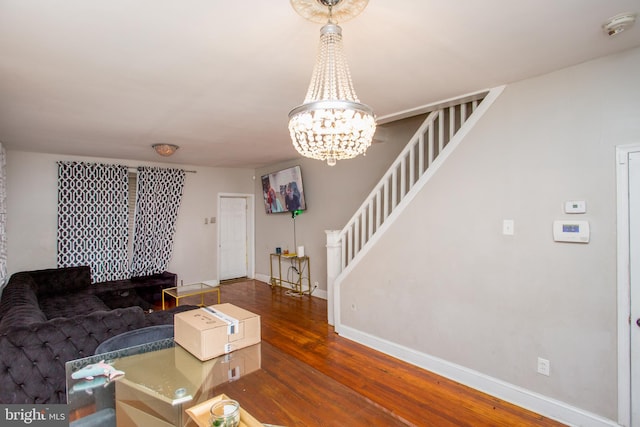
(571, 231)
(575, 207)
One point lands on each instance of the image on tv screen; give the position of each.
(283, 191)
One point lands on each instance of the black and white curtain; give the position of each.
(92, 218)
(158, 199)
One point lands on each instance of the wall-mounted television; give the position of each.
(283, 191)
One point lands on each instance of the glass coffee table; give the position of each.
(180, 292)
(161, 381)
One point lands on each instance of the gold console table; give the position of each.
(179, 292)
(297, 274)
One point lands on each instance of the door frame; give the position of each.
(624, 282)
(251, 238)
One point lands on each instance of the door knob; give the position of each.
(638, 322)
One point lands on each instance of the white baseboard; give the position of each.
(320, 293)
(543, 405)
(211, 282)
(263, 278)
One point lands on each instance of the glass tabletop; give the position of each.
(82, 385)
(160, 377)
(161, 380)
(192, 289)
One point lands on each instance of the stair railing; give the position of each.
(414, 160)
(398, 185)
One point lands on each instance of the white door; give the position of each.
(634, 265)
(233, 238)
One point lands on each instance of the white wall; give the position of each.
(32, 213)
(333, 193)
(460, 290)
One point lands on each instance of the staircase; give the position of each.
(442, 130)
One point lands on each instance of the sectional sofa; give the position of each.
(49, 317)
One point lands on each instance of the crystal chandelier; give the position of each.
(332, 124)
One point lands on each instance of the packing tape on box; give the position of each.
(233, 325)
(234, 374)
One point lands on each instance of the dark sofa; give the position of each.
(143, 291)
(48, 317)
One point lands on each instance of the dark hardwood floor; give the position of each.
(298, 326)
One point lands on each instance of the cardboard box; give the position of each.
(219, 329)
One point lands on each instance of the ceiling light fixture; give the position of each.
(332, 124)
(617, 24)
(165, 150)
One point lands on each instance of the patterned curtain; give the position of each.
(157, 203)
(92, 218)
(3, 218)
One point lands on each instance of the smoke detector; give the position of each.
(617, 24)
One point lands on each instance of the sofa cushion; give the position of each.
(126, 298)
(71, 304)
(55, 281)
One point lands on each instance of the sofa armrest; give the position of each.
(21, 315)
(165, 279)
(33, 357)
(159, 281)
(20, 291)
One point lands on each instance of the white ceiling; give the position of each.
(108, 78)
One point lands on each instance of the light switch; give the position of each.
(507, 227)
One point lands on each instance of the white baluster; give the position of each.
(430, 148)
(421, 155)
(440, 131)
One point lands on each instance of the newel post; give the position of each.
(333, 269)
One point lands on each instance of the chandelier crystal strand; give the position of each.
(331, 124)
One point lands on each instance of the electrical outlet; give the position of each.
(544, 366)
